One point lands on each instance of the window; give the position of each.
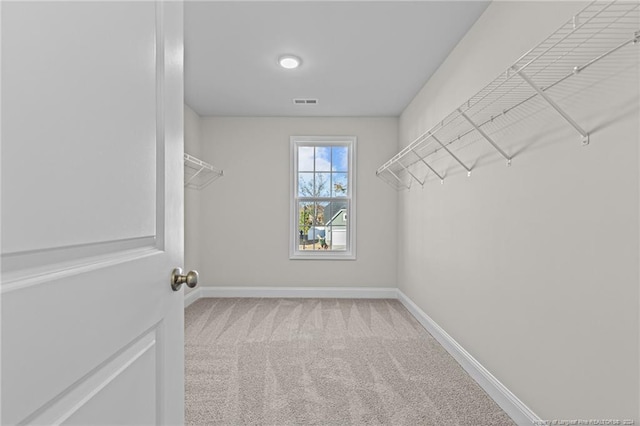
(323, 197)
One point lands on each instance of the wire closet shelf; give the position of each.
(597, 31)
(197, 173)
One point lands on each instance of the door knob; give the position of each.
(177, 279)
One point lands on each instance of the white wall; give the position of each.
(192, 145)
(245, 215)
(533, 268)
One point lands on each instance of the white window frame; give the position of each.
(294, 237)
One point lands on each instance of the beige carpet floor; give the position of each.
(323, 362)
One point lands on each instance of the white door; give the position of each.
(92, 106)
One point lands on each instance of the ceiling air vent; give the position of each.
(305, 101)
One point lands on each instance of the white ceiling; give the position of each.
(359, 58)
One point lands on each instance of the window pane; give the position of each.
(323, 159)
(307, 228)
(311, 229)
(336, 237)
(336, 225)
(331, 219)
(339, 184)
(322, 212)
(335, 215)
(305, 158)
(323, 185)
(332, 209)
(305, 185)
(340, 158)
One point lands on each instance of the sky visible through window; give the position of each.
(323, 171)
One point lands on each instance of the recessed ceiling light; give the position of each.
(289, 61)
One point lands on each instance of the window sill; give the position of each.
(322, 256)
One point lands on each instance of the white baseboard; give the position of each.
(297, 292)
(192, 296)
(516, 409)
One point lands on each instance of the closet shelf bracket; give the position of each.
(429, 166)
(197, 173)
(485, 136)
(468, 169)
(399, 180)
(421, 182)
(554, 105)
